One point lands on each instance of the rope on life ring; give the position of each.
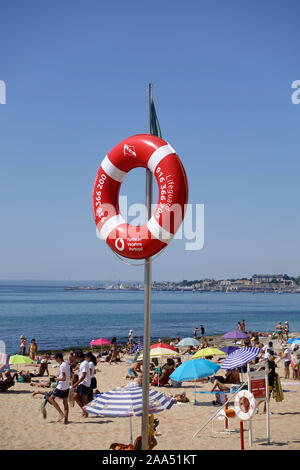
(244, 415)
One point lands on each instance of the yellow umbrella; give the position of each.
(208, 352)
(18, 359)
(160, 352)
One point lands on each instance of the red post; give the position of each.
(242, 435)
(226, 408)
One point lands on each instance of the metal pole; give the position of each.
(250, 421)
(147, 307)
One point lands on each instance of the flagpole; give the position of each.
(147, 305)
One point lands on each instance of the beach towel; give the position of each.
(277, 392)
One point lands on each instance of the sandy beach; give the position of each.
(23, 426)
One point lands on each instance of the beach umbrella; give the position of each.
(194, 369)
(160, 352)
(163, 346)
(18, 359)
(293, 341)
(237, 334)
(127, 402)
(186, 342)
(205, 352)
(99, 342)
(240, 357)
(229, 349)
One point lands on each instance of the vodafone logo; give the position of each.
(119, 244)
(129, 151)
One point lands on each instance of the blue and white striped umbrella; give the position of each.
(128, 401)
(240, 357)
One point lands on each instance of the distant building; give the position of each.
(263, 278)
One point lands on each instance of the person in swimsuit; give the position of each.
(32, 349)
(134, 369)
(114, 350)
(279, 329)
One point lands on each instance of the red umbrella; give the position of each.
(162, 345)
(99, 342)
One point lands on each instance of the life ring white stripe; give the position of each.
(158, 231)
(244, 394)
(110, 225)
(112, 171)
(158, 155)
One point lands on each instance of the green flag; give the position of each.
(154, 124)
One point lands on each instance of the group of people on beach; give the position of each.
(75, 383)
(32, 348)
(283, 330)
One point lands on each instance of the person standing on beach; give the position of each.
(279, 329)
(23, 344)
(130, 340)
(62, 388)
(92, 363)
(243, 325)
(195, 332)
(287, 361)
(32, 349)
(286, 330)
(83, 384)
(114, 350)
(202, 330)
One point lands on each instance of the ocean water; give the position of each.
(57, 318)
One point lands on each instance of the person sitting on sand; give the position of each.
(189, 350)
(167, 370)
(134, 369)
(43, 367)
(62, 389)
(232, 376)
(7, 381)
(178, 362)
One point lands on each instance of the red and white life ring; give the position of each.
(244, 416)
(154, 153)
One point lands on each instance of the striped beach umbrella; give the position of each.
(128, 401)
(240, 357)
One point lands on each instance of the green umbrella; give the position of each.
(18, 359)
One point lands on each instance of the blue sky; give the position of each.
(76, 77)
